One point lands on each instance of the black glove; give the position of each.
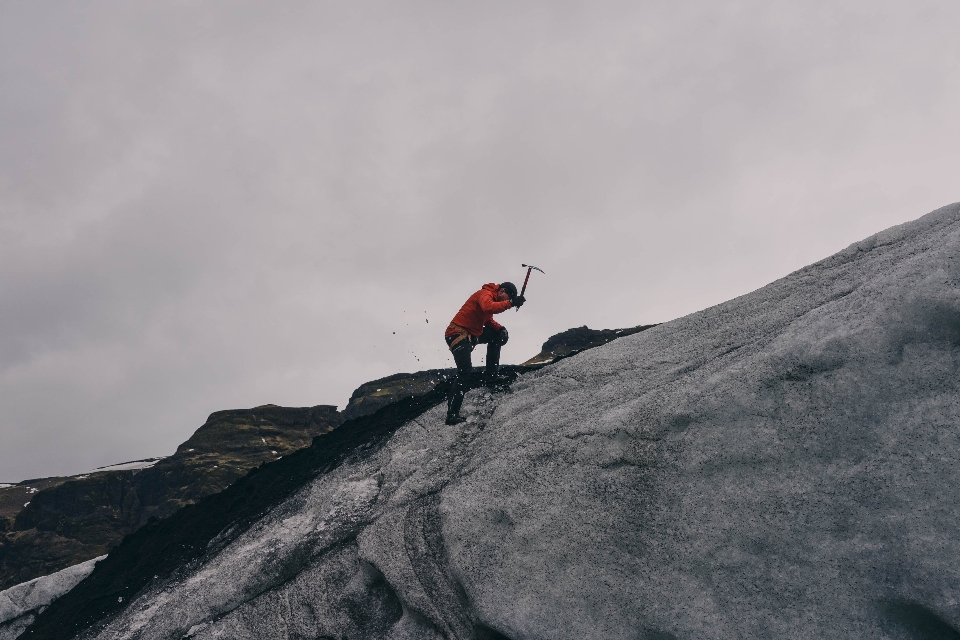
(504, 336)
(518, 300)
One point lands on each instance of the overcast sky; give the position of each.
(209, 205)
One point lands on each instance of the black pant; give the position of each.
(461, 351)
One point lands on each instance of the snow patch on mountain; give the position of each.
(780, 465)
(129, 466)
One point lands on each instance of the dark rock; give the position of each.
(371, 396)
(572, 341)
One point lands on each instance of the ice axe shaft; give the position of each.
(529, 268)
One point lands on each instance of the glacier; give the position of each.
(780, 465)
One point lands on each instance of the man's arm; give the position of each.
(490, 305)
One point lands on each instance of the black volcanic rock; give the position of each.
(371, 396)
(572, 341)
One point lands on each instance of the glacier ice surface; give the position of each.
(780, 465)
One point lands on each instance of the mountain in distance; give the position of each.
(49, 524)
(779, 465)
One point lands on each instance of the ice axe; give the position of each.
(529, 268)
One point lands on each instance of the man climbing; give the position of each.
(473, 325)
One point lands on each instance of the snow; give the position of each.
(780, 465)
(4, 485)
(130, 466)
(20, 603)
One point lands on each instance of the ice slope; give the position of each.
(781, 465)
(20, 603)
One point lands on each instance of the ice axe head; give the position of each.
(529, 268)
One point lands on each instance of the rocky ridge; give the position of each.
(374, 395)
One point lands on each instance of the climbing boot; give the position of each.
(455, 396)
(454, 402)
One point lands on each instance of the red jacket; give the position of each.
(478, 311)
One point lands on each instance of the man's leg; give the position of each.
(458, 387)
(495, 340)
(493, 358)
